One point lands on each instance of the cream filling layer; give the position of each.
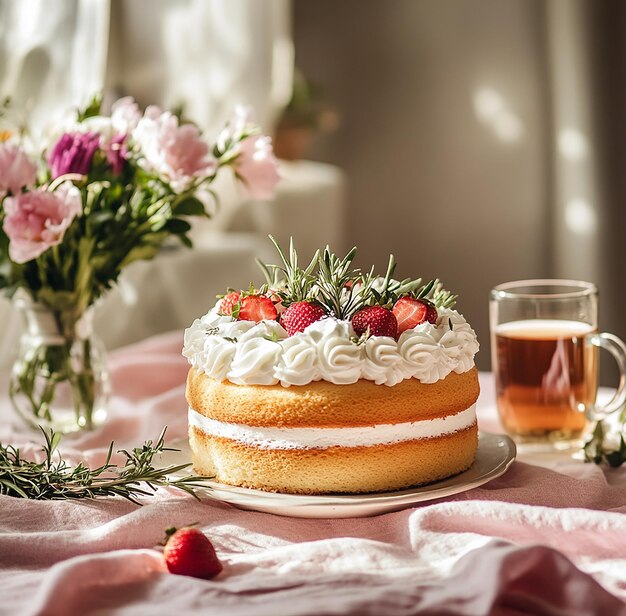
(323, 438)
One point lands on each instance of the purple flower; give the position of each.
(116, 152)
(73, 153)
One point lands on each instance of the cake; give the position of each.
(330, 380)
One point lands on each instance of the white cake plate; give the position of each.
(496, 453)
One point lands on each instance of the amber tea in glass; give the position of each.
(545, 355)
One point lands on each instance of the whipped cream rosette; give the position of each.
(264, 354)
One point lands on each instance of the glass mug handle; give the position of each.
(617, 348)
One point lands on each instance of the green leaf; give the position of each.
(100, 217)
(158, 223)
(140, 253)
(93, 108)
(185, 240)
(614, 459)
(190, 206)
(55, 440)
(427, 288)
(178, 226)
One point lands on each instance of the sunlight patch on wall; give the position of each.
(494, 112)
(580, 217)
(573, 144)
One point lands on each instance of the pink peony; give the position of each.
(38, 219)
(73, 153)
(16, 169)
(177, 153)
(256, 166)
(242, 122)
(125, 115)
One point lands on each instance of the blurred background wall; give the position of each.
(480, 141)
(432, 176)
(483, 141)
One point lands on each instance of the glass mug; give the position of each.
(545, 356)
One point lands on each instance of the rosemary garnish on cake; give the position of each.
(330, 286)
(288, 281)
(335, 283)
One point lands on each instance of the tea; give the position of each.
(546, 373)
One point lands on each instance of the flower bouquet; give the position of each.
(106, 191)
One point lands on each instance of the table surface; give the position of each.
(547, 537)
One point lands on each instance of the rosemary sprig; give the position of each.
(272, 274)
(434, 292)
(386, 291)
(298, 282)
(341, 289)
(336, 284)
(55, 479)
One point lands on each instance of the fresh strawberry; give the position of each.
(431, 313)
(411, 312)
(300, 315)
(189, 552)
(379, 320)
(228, 303)
(257, 308)
(276, 300)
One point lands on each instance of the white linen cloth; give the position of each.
(534, 541)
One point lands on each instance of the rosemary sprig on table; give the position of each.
(55, 479)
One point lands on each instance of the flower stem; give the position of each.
(58, 378)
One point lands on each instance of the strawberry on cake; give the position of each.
(331, 380)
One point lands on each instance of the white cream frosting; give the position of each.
(338, 357)
(382, 361)
(248, 353)
(298, 363)
(219, 354)
(323, 438)
(254, 362)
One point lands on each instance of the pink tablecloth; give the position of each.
(537, 540)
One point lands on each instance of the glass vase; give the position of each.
(60, 378)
